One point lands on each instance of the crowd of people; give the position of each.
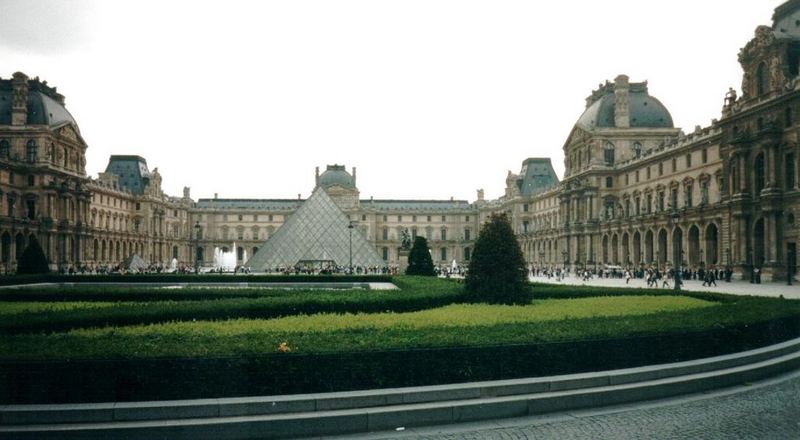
(653, 276)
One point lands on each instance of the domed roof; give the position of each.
(45, 105)
(645, 110)
(336, 175)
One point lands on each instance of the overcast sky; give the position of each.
(429, 99)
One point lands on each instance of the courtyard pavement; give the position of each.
(736, 287)
(765, 410)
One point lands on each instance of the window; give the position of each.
(661, 201)
(689, 160)
(790, 171)
(637, 176)
(399, 218)
(270, 217)
(467, 219)
(240, 234)
(649, 207)
(637, 150)
(627, 179)
(385, 233)
(444, 234)
(467, 252)
(704, 192)
(240, 217)
(385, 251)
(413, 218)
(467, 234)
(637, 205)
(525, 224)
(688, 196)
(429, 218)
(608, 154)
(414, 233)
(704, 155)
(673, 198)
(31, 180)
(661, 168)
(363, 217)
(627, 208)
(609, 182)
(444, 218)
(787, 117)
(444, 254)
(759, 173)
(31, 151)
(525, 208)
(138, 205)
(4, 149)
(674, 164)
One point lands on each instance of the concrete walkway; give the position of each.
(766, 409)
(772, 289)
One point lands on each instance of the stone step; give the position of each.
(303, 403)
(327, 422)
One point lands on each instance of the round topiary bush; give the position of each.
(497, 272)
(419, 259)
(33, 260)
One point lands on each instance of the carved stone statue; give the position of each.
(730, 97)
(776, 73)
(405, 239)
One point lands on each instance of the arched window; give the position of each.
(31, 151)
(608, 153)
(637, 150)
(4, 149)
(761, 79)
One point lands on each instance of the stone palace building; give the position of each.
(637, 191)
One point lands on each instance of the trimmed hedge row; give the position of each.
(411, 297)
(166, 379)
(190, 278)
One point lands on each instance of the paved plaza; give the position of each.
(762, 410)
(736, 287)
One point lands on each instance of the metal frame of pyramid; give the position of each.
(316, 234)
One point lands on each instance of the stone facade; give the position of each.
(636, 191)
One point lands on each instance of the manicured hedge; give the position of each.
(190, 278)
(163, 379)
(219, 305)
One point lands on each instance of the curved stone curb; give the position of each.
(361, 411)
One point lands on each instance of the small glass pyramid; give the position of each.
(316, 235)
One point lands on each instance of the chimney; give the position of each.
(19, 106)
(354, 176)
(186, 192)
(298, 196)
(480, 195)
(317, 178)
(622, 114)
(215, 196)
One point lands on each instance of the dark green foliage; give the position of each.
(217, 304)
(419, 259)
(33, 260)
(497, 272)
(191, 278)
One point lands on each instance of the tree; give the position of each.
(419, 259)
(33, 260)
(497, 272)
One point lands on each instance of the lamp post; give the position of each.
(350, 230)
(196, 245)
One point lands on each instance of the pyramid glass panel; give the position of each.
(317, 234)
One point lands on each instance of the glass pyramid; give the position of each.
(316, 235)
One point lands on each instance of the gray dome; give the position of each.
(645, 112)
(336, 175)
(42, 108)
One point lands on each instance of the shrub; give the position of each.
(33, 260)
(497, 272)
(419, 259)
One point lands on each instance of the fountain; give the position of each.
(225, 260)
